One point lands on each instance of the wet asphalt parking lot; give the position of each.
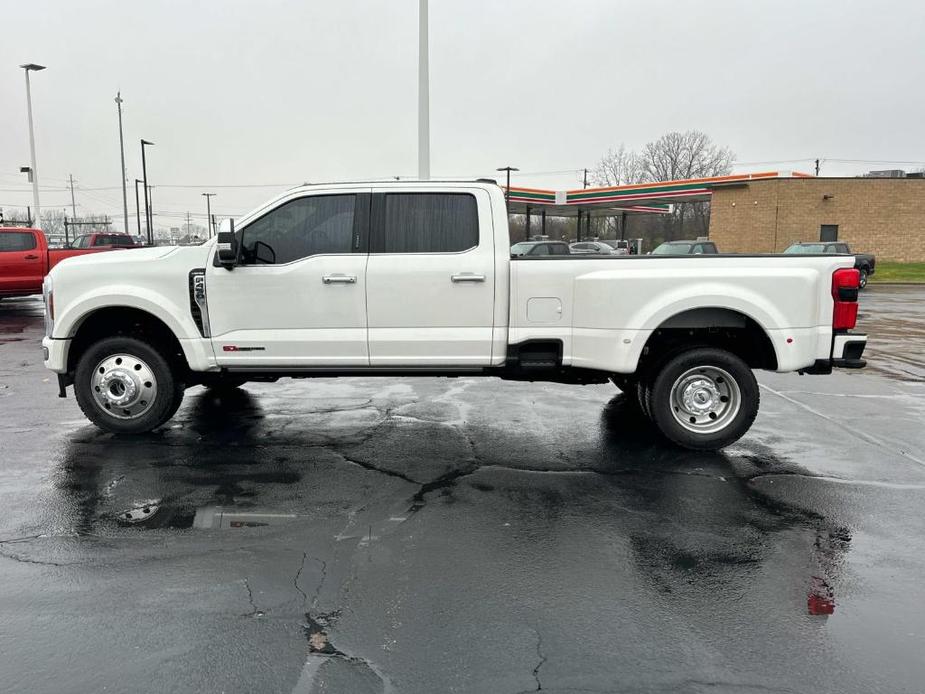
(466, 535)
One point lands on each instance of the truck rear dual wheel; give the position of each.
(702, 399)
(124, 385)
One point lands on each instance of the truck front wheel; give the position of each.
(124, 385)
(704, 399)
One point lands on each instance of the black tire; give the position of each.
(708, 371)
(643, 393)
(153, 412)
(864, 274)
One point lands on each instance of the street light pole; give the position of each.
(32, 67)
(507, 189)
(138, 207)
(144, 174)
(208, 197)
(122, 154)
(423, 95)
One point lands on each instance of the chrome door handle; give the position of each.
(339, 279)
(467, 277)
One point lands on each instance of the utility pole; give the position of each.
(817, 167)
(585, 179)
(208, 197)
(122, 154)
(507, 189)
(423, 95)
(73, 204)
(188, 226)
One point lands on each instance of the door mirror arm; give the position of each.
(226, 248)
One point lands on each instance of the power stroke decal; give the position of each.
(235, 348)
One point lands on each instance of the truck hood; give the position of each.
(124, 262)
(128, 256)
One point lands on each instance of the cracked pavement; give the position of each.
(466, 535)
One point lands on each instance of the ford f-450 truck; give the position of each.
(405, 278)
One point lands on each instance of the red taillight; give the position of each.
(845, 284)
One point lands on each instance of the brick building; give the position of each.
(883, 216)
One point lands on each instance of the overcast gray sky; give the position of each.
(278, 92)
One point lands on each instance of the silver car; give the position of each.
(591, 248)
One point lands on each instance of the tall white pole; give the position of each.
(35, 173)
(423, 96)
(122, 155)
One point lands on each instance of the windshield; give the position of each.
(806, 248)
(521, 248)
(672, 249)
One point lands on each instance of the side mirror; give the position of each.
(226, 250)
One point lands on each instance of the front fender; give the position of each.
(69, 317)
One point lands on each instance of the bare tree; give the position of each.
(690, 154)
(617, 168)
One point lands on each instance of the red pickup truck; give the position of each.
(25, 259)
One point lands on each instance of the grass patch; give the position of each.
(911, 273)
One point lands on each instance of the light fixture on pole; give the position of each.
(507, 188)
(122, 155)
(208, 197)
(144, 175)
(32, 67)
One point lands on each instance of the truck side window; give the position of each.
(300, 228)
(539, 249)
(12, 241)
(428, 223)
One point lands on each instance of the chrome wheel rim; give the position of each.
(123, 386)
(705, 399)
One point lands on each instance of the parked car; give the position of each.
(591, 248)
(25, 259)
(105, 240)
(619, 246)
(864, 262)
(416, 278)
(686, 248)
(540, 248)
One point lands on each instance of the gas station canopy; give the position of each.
(616, 201)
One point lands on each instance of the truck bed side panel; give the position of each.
(610, 306)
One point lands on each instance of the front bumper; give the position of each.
(847, 352)
(54, 354)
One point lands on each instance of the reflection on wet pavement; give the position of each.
(893, 318)
(459, 535)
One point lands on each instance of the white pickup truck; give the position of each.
(405, 278)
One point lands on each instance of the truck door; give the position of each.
(298, 298)
(430, 280)
(22, 262)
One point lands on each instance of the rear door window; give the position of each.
(12, 241)
(427, 223)
(558, 249)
